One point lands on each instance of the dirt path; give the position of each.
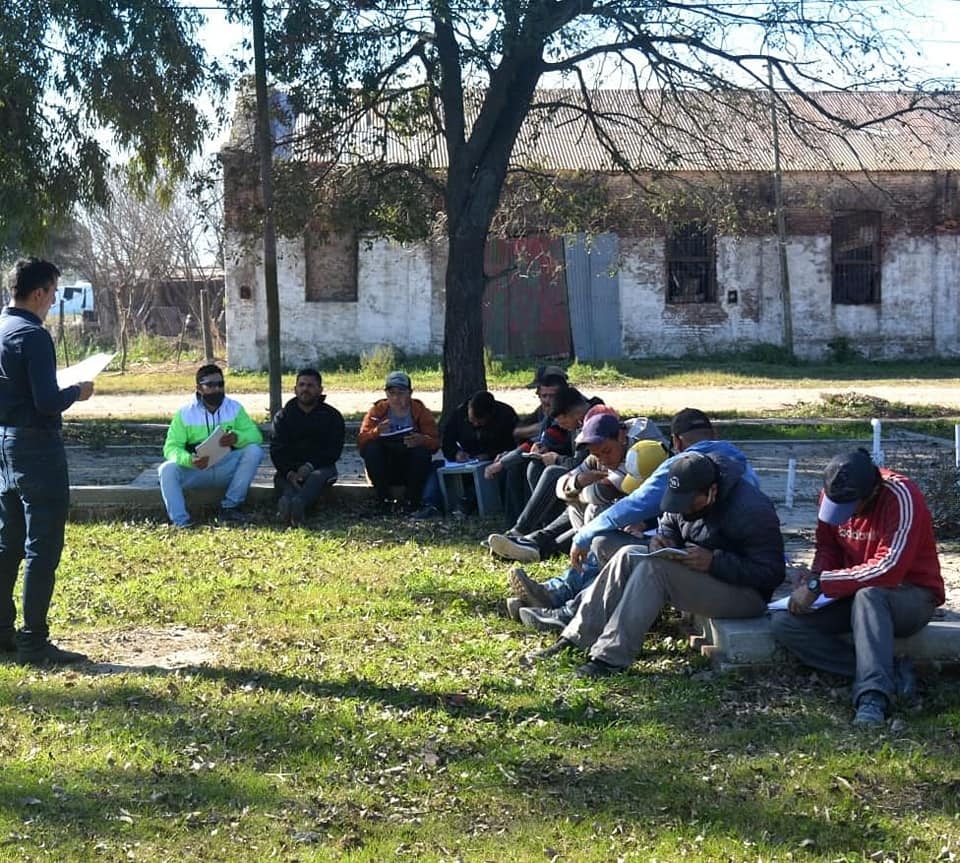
(661, 401)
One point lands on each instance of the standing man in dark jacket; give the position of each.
(34, 487)
(307, 441)
(729, 562)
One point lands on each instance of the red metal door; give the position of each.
(525, 312)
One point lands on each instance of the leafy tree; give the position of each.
(79, 76)
(368, 73)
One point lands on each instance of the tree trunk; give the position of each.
(463, 366)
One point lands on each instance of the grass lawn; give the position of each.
(368, 704)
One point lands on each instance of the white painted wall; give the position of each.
(400, 302)
(395, 305)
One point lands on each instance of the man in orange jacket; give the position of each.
(397, 440)
(876, 559)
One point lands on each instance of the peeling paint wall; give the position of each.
(401, 288)
(397, 304)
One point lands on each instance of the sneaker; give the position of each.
(425, 513)
(529, 590)
(514, 548)
(905, 677)
(871, 709)
(598, 668)
(48, 654)
(545, 619)
(232, 515)
(514, 604)
(187, 525)
(559, 646)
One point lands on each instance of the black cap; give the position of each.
(689, 474)
(689, 419)
(847, 480)
(544, 372)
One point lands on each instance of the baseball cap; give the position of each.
(398, 379)
(598, 428)
(689, 419)
(543, 372)
(643, 458)
(848, 479)
(689, 473)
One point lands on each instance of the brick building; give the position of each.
(687, 257)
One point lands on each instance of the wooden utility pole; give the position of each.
(781, 221)
(265, 147)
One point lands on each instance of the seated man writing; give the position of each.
(876, 557)
(185, 469)
(729, 563)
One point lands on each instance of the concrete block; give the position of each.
(749, 642)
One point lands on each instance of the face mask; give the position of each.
(214, 399)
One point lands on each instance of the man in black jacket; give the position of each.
(307, 441)
(727, 560)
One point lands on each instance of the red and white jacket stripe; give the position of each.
(890, 544)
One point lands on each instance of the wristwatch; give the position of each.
(813, 584)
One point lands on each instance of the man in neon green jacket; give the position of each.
(232, 461)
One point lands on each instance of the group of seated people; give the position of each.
(645, 521)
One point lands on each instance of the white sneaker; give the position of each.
(514, 548)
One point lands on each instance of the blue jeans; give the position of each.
(874, 616)
(235, 472)
(34, 500)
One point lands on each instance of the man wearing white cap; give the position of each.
(876, 558)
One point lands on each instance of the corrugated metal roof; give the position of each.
(701, 131)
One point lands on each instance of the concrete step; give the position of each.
(738, 643)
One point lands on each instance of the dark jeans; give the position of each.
(34, 499)
(389, 462)
(313, 486)
(544, 505)
(874, 616)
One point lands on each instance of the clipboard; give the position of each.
(395, 432)
(211, 447)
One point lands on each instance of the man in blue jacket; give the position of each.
(718, 552)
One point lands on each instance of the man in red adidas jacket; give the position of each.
(876, 558)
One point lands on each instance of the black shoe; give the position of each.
(8, 642)
(560, 645)
(598, 668)
(232, 516)
(48, 654)
(425, 513)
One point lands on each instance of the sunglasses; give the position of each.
(219, 384)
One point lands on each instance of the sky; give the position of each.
(934, 25)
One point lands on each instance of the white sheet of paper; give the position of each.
(85, 370)
(781, 604)
(211, 447)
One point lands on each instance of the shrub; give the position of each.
(379, 362)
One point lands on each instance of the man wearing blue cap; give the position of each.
(876, 558)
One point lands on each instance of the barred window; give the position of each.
(691, 264)
(855, 250)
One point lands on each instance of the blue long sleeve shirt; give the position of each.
(29, 394)
(643, 503)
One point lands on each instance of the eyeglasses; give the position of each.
(213, 385)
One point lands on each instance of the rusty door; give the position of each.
(525, 312)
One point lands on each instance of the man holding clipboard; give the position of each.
(211, 443)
